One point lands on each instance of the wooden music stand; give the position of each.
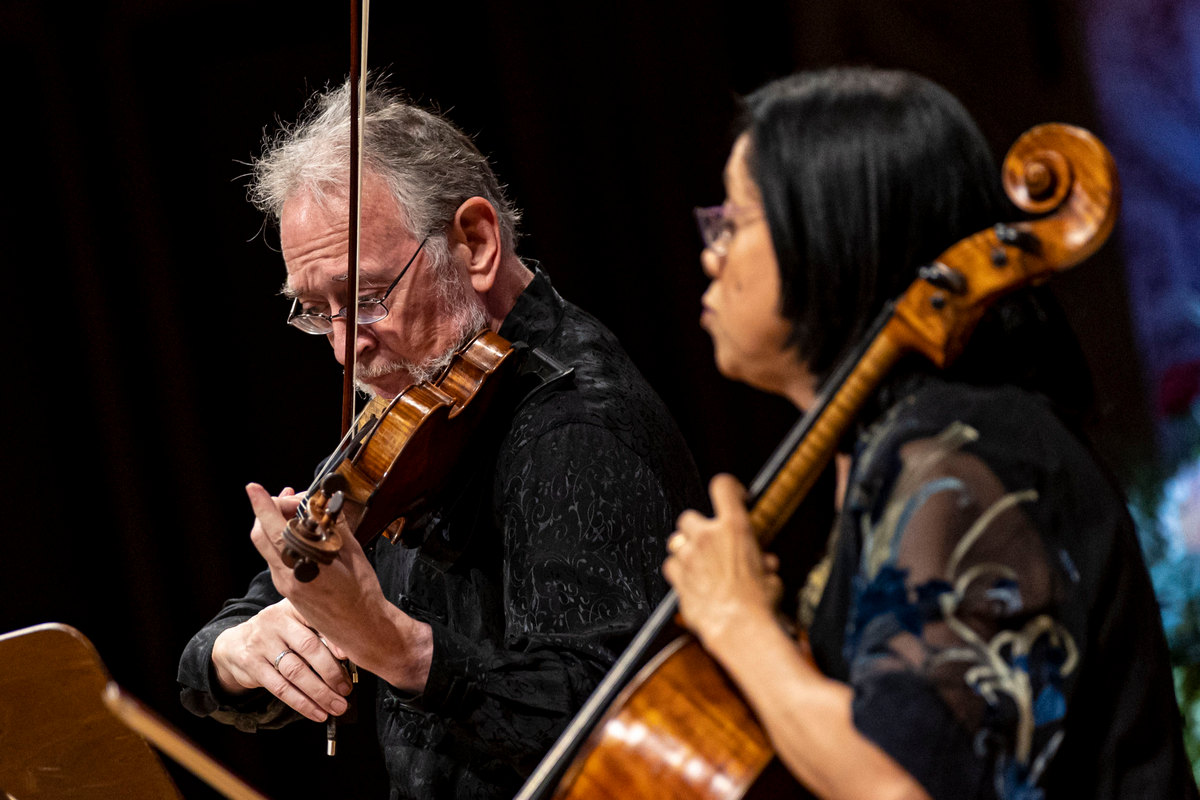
(67, 732)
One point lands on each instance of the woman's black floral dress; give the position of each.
(986, 598)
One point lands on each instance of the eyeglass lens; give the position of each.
(370, 310)
(711, 221)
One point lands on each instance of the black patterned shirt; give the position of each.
(534, 575)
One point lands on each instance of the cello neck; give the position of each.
(796, 464)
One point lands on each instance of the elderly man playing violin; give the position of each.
(489, 622)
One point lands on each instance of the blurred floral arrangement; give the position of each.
(1165, 503)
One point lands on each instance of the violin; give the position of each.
(398, 455)
(669, 722)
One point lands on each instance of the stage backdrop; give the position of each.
(149, 375)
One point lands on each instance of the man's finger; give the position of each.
(320, 659)
(268, 526)
(287, 504)
(265, 508)
(278, 683)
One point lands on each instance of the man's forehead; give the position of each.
(309, 206)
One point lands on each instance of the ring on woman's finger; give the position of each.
(676, 543)
(275, 663)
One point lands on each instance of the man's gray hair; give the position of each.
(429, 164)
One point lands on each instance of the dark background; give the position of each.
(149, 375)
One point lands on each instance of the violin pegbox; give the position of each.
(309, 539)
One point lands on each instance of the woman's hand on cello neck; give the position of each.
(717, 568)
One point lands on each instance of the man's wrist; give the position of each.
(403, 658)
(223, 680)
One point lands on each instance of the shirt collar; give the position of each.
(537, 313)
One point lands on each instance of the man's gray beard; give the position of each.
(471, 319)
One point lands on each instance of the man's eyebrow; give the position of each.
(287, 291)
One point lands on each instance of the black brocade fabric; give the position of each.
(534, 574)
(989, 606)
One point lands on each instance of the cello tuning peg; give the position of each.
(1022, 240)
(943, 277)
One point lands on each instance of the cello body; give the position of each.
(680, 729)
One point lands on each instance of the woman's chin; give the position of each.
(728, 367)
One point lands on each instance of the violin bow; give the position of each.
(359, 14)
(360, 11)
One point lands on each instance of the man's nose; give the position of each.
(365, 339)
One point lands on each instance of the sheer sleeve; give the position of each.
(954, 644)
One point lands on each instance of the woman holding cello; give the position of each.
(983, 624)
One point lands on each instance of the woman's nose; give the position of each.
(710, 262)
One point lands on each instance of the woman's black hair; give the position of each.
(867, 174)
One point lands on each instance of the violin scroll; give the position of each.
(309, 540)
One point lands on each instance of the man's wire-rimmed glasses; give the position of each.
(370, 309)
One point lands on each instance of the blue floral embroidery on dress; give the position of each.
(1013, 783)
(926, 491)
(1007, 593)
(887, 594)
(1017, 672)
(929, 598)
(1050, 706)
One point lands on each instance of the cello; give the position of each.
(669, 722)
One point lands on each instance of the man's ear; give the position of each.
(475, 238)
